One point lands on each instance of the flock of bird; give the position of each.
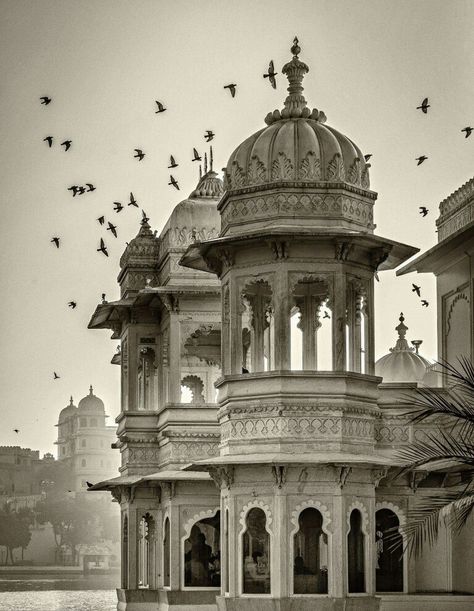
(208, 136)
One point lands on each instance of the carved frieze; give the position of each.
(310, 167)
(282, 168)
(336, 171)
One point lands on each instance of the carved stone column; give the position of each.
(174, 375)
(339, 322)
(309, 307)
(282, 325)
(132, 369)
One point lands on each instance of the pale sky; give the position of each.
(105, 62)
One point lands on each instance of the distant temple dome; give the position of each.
(143, 249)
(68, 411)
(297, 146)
(210, 186)
(403, 364)
(91, 403)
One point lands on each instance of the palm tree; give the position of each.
(452, 446)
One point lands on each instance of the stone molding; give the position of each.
(456, 199)
(303, 205)
(457, 221)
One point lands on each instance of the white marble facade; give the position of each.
(258, 447)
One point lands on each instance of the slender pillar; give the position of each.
(282, 325)
(235, 343)
(174, 380)
(132, 548)
(132, 369)
(339, 322)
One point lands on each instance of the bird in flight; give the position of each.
(139, 154)
(196, 157)
(103, 248)
(112, 228)
(271, 74)
(161, 108)
(416, 289)
(173, 163)
(45, 100)
(145, 219)
(209, 135)
(173, 182)
(231, 88)
(91, 187)
(101, 220)
(49, 140)
(74, 189)
(424, 106)
(468, 131)
(423, 210)
(66, 144)
(117, 207)
(326, 315)
(421, 159)
(424, 303)
(56, 241)
(55, 376)
(16, 430)
(81, 190)
(72, 304)
(367, 157)
(133, 201)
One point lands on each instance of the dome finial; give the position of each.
(71, 402)
(91, 390)
(401, 328)
(295, 49)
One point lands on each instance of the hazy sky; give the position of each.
(105, 62)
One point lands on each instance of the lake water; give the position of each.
(58, 594)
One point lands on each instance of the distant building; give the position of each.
(18, 471)
(84, 442)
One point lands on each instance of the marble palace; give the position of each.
(258, 437)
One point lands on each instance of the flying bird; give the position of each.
(209, 135)
(133, 201)
(326, 315)
(173, 163)
(161, 108)
(416, 289)
(367, 157)
(112, 228)
(231, 88)
(117, 207)
(145, 219)
(271, 74)
(56, 241)
(45, 100)
(424, 303)
(423, 210)
(16, 430)
(66, 144)
(103, 248)
(139, 154)
(72, 304)
(74, 189)
(468, 131)
(55, 376)
(91, 187)
(196, 157)
(424, 106)
(173, 182)
(49, 140)
(81, 190)
(421, 159)
(101, 220)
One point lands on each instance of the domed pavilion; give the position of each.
(279, 492)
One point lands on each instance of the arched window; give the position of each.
(256, 554)
(125, 553)
(356, 553)
(192, 389)
(202, 554)
(166, 553)
(389, 567)
(310, 567)
(146, 551)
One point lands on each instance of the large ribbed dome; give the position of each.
(403, 364)
(91, 403)
(296, 146)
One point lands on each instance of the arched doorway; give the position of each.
(389, 549)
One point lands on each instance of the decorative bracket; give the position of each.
(279, 248)
(279, 473)
(344, 471)
(222, 475)
(377, 475)
(415, 479)
(342, 250)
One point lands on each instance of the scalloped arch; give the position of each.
(323, 510)
(364, 513)
(197, 517)
(256, 504)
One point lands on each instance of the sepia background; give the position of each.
(104, 63)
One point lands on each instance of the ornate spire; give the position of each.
(71, 402)
(295, 103)
(402, 344)
(91, 390)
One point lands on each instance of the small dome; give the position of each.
(403, 364)
(209, 187)
(296, 146)
(67, 411)
(143, 249)
(91, 403)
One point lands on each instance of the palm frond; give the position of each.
(435, 448)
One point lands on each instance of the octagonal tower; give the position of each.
(296, 258)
